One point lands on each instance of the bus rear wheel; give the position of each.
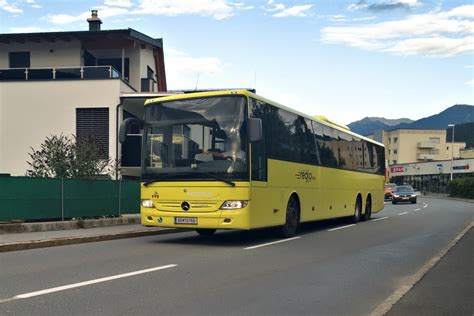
(357, 211)
(292, 220)
(205, 231)
(368, 209)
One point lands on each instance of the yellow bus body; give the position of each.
(326, 193)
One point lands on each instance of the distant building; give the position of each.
(81, 82)
(417, 145)
(466, 153)
(431, 176)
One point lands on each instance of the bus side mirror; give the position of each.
(255, 129)
(125, 127)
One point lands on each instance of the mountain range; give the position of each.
(456, 114)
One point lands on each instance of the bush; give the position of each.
(462, 187)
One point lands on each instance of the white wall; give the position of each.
(32, 110)
(147, 59)
(45, 54)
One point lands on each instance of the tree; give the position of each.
(68, 157)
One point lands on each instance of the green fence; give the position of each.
(24, 198)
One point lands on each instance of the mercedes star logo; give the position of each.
(185, 206)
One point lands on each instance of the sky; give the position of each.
(344, 59)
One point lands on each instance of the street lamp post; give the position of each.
(452, 150)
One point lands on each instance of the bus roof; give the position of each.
(320, 119)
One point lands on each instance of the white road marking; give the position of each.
(402, 213)
(416, 210)
(379, 219)
(425, 205)
(272, 243)
(85, 283)
(342, 227)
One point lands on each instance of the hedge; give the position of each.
(462, 187)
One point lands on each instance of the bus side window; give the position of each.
(259, 159)
(328, 148)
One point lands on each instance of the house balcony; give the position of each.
(59, 73)
(426, 156)
(427, 145)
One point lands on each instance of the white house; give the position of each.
(81, 82)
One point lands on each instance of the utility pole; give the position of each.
(452, 150)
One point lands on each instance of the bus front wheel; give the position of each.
(205, 232)
(292, 220)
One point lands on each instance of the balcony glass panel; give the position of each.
(68, 73)
(40, 74)
(96, 72)
(12, 74)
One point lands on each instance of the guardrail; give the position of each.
(25, 198)
(54, 73)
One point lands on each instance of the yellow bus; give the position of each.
(235, 160)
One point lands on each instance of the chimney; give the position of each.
(94, 21)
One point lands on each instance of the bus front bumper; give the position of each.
(221, 219)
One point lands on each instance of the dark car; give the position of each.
(404, 193)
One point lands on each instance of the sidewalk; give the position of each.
(447, 289)
(23, 241)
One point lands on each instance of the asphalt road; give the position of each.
(331, 269)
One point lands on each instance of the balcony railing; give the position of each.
(57, 73)
(427, 144)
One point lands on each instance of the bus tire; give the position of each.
(205, 231)
(368, 209)
(292, 220)
(357, 211)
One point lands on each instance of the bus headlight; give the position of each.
(147, 204)
(234, 204)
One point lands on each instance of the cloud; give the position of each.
(297, 10)
(104, 12)
(384, 5)
(435, 34)
(279, 10)
(31, 29)
(119, 3)
(183, 69)
(12, 8)
(217, 9)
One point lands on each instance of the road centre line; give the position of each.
(379, 219)
(272, 243)
(341, 227)
(416, 210)
(402, 213)
(85, 283)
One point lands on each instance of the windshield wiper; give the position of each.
(148, 182)
(231, 183)
(164, 177)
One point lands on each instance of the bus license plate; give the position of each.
(186, 220)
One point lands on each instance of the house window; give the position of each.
(19, 59)
(394, 162)
(395, 140)
(148, 83)
(94, 122)
(395, 151)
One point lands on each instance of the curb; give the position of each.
(448, 198)
(53, 242)
(14, 228)
(411, 281)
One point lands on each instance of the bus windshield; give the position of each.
(198, 138)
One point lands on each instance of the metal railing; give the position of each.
(56, 73)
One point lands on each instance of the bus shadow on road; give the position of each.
(238, 238)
